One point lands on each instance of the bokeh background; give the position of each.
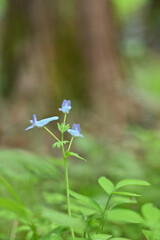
(105, 57)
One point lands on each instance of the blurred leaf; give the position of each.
(101, 236)
(56, 198)
(106, 184)
(23, 228)
(126, 215)
(21, 160)
(148, 234)
(29, 235)
(125, 8)
(151, 215)
(74, 155)
(75, 238)
(57, 231)
(63, 127)
(63, 219)
(120, 239)
(89, 201)
(59, 144)
(16, 208)
(54, 237)
(152, 235)
(127, 194)
(117, 200)
(10, 189)
(127, 182)
(82, 209)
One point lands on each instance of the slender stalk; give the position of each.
(109, 198)
(70, 143)
(13, 230)
(67, 192)
(101, 226)
(51, 133)
(67, 180)
(65, 116)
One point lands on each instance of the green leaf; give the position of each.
(74, 155)
(106, 184)
(147, 234)
(15, 207)
(125, 215)
(56, 198)
(82, 209)
(118, 200)
(59, 126)
(23, 165)
(75, 238)
(127, 194)
(101, 236)
(89, 201)
(57, 231)
(120, 239)
(152, 235)
(63, 127)
(128, 182)
(63, 219)
(59, 144)
(10, 189)
(151, 215)
(29, 236)
(23, 228)
(54, 237)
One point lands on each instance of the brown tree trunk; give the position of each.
(27, 66)
(106, 75)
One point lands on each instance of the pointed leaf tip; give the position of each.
(106, 184)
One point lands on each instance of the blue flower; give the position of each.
(66, 106)
(40, 123)
(75, 131)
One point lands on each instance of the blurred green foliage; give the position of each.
(125, 8)
(39, 181)
(3, 7)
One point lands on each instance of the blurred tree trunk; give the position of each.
(27, 66)
(106, 75)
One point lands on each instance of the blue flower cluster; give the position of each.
(65, 108)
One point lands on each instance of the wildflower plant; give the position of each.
(60, 143)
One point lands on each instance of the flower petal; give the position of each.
(76, 127)
(69, 103)
(64, 103)
(34, 119)
(45, 121)
(29, 127)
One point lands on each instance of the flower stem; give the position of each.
(104, 212)
(70, 143)
(67, 180)
(67, 192)
(51, 133)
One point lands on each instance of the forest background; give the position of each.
(102, 55)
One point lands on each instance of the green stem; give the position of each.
(13, 230)
(101, 226)
(51, 133)
(67, 180)
(109, 198)
(70, 143)
(65, 116)
(67, 192)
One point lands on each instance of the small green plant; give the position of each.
(86, 218)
